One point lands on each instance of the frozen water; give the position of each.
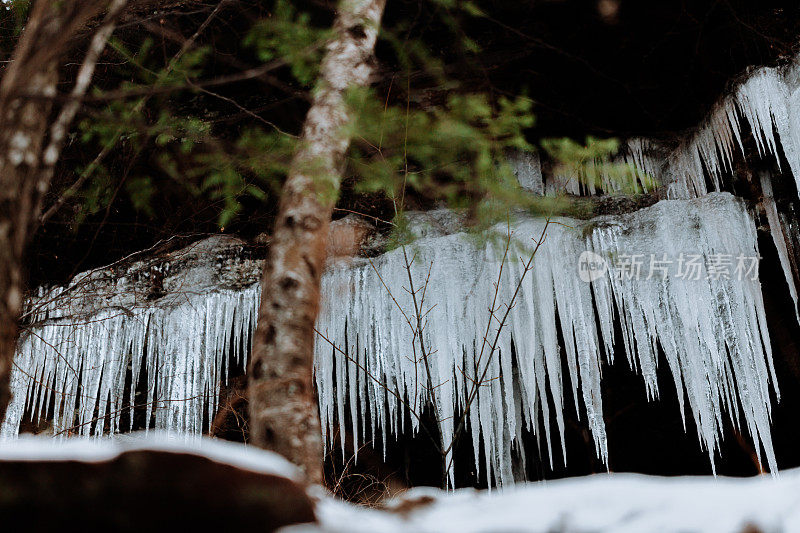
(712, 330)
(85, 339)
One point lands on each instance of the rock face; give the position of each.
(153, 484)
(349, 237)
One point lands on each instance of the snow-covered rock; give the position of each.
(143, 483)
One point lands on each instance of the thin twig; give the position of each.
(476, 385)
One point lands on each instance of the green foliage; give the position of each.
(184, 150)
(439, 143)
(173, 146)
(96, 196)
(453, 151)
(452, 145)
(13, 14)
(141, 191)
(20, 9)
(290, 37)
(147, 69)
(592, 162)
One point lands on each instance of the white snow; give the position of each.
(713, 331)
(39, 449)
(606, 503)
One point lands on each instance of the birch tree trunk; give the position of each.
(283, 410)
(30, 142)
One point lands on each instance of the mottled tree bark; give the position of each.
(31, 141)
(283, 410)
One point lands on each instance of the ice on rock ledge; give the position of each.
(185, 348)
(766, 105)
(84, 339)
(712, 330)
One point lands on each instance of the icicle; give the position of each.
(560, 183)
(762, 98)
(776, 230)
(638, 155)
(712, 330)
(769, 101)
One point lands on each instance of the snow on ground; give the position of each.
(28, 448)
(619, 503)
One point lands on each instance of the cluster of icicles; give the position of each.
(82, 370)
(372, 381)
(713, 335)
(712, 331)
(768, 103)
(766, 106)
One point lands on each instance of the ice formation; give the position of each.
(779, 230)
(88, 343)
(766, 106)
(636, 154)
(712, 330)
(84, 341)
(528, 169)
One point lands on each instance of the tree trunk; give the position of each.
(283, 410)
(30, 143)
